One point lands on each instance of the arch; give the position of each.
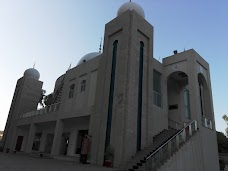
(115, 44)
(141, 44)
(178, 99)
(204, 97)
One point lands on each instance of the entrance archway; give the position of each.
(178, 99)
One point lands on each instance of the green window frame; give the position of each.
(157, 88)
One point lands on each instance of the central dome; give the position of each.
(131, 6)
(88, 57)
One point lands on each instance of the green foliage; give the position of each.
(42, 95)
(222, 142)
(226, 120)
(48, 99)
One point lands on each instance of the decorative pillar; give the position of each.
(31, 136)
(57, 137)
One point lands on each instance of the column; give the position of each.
(57, 137)
(72, 143)
(43, 141)
(31, 136)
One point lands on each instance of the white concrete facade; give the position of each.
(122, 98)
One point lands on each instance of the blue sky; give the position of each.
(57, 33)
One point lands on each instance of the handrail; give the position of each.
(179, 132)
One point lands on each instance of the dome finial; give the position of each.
(34, 64)
(69, 67)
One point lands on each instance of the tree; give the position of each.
(48, 100)
(226, 120)
(41, 100)
(222, 142)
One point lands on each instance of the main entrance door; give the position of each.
(49, 143)
(19, 143)
(64, 143)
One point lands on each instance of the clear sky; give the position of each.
(56, 33)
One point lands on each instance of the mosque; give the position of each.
(140, 114)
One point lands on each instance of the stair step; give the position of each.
(143, 161)
(139, 160)
(139, 164)
(135, 167)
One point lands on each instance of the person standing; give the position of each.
(85, 149)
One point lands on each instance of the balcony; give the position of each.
(45, 110)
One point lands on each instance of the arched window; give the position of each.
(71, 91)
(83, 85)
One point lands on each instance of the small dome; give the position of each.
(88, 57)
(131, 6)
(32, 73)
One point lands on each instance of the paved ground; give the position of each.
(17, 162)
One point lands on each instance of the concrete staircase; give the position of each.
(166, 152)
(58, 94)
(138, 162)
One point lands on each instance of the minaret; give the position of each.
(122, 94)
(25, 99)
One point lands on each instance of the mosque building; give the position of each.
(139, 113)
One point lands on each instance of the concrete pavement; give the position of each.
(17, 162)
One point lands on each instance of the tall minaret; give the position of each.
(25, 99)
(121, 108)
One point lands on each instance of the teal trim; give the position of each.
(140, 83)
(201, 100)
(187, 104)
(111, 94)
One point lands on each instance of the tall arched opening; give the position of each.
(178, 99)
(204, 98)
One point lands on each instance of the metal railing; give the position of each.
(163, 153)
(47, 109)
(207, 123)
